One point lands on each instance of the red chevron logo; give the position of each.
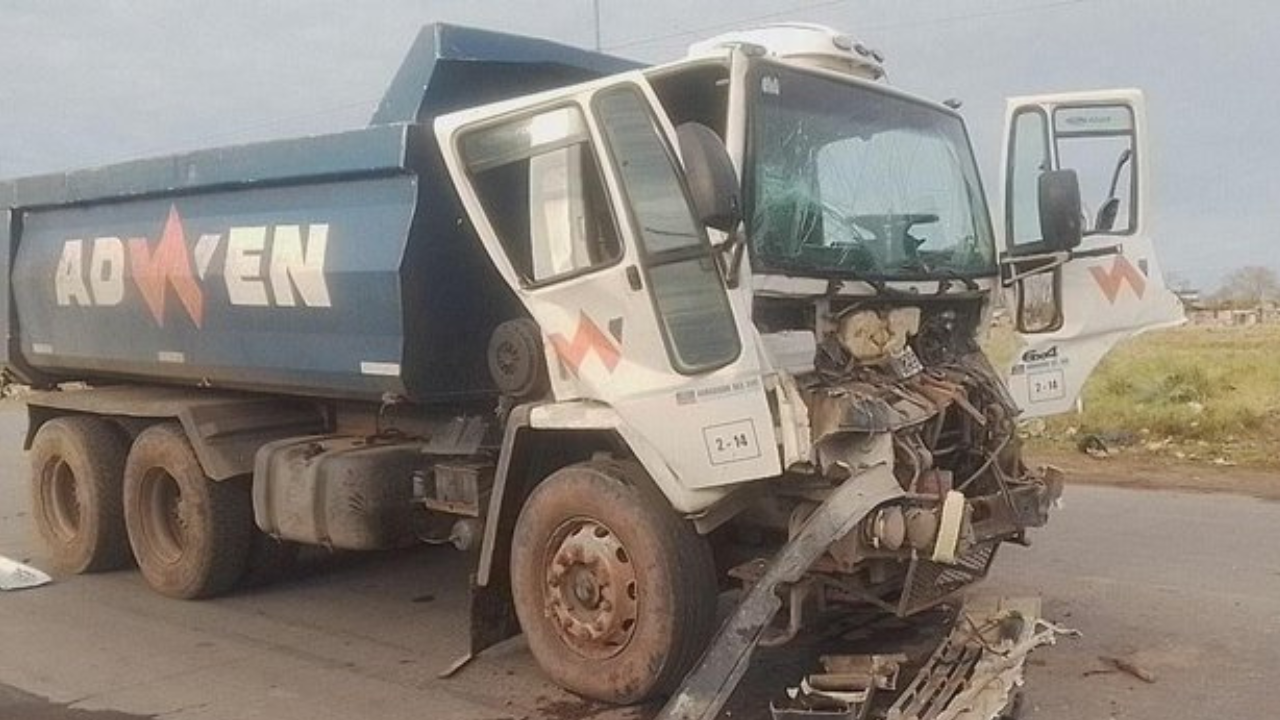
(164, 266)
(1122, 271)
(587, 338)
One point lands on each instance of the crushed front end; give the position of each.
(904, 386)
(905, 477)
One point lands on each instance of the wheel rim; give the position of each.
(61, 497)
(591, 589)
(165, 515)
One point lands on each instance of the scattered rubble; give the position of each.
(975, 674)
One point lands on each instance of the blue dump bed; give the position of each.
(335, 266)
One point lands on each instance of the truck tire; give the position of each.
(190, 534)
(77, 466)
(616, 594)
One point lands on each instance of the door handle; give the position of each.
(633, 277)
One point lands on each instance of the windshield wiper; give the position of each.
(948, 274)
(952, 274)
(879, 287)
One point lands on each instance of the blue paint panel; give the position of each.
(408, 280)
(374, 150)
(421, 86)
(292, 349)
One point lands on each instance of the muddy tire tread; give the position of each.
(219, 563)
(101, 449)
(693, 618)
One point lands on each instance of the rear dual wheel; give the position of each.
(76, 468)
(190, 535)
(94, 498)
(616, 594)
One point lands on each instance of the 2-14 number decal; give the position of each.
(731, 442)
(1046, 386)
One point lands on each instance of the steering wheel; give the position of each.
(901, 223)
(850, 222)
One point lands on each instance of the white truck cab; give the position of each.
(637, 340)
(767, 270)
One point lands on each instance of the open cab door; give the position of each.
(580, 200)
(1077, 248)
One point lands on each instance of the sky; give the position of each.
(98, 81)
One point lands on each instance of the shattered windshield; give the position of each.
(848, 181)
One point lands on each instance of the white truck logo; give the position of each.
(263, 265)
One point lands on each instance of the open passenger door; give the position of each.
(579, 200)
(1074, 299)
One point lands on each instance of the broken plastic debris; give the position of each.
(975, 672)
(17, 576)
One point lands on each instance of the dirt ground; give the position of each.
(1147, 472)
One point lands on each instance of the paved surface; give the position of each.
(1188, 586)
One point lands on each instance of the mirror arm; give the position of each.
(1125, 157)
(731, 252)
(1046, 262)
(1096, 252)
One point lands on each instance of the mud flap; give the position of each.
(705, 690)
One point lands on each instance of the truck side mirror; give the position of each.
(1060, 215)
(713, 182)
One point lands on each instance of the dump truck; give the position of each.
(632, 335)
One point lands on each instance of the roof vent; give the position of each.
(815, 45)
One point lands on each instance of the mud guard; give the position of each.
(705, 690)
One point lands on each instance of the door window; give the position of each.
(1097, 142)
(689, 295)
(541, 187)
(1028, 159)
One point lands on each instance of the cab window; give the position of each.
(1097, 142)
(1028, 159)
(688, 293)
(542, 190)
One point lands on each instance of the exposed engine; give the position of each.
(909, 386)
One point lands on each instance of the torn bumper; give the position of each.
(973, 675)
(706, 689)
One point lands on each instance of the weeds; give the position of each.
(1195, 392)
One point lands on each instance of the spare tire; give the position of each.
(517, 363)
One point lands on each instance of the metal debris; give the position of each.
(843, 690)
(1128, 666)
(17, 576)
(704, 690)
(973, 675)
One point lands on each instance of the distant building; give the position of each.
(1190, 297)
(1234, 317)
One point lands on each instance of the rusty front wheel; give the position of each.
(616, 594)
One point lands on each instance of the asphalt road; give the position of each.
(1186, 586)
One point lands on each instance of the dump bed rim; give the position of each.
(373, 150)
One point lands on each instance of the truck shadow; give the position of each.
(427, 587)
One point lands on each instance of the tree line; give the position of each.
(1248, 287)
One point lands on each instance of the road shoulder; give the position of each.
(1155, 473)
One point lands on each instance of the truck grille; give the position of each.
(929, 583)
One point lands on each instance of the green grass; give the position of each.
(1199, 393)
